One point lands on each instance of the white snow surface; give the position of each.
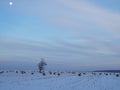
(66, 81)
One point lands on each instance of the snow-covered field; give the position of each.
(66, 81)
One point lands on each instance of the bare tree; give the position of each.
(41, 65)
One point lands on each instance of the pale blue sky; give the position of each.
(81, 33)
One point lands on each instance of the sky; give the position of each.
(68, 34)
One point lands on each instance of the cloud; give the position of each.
(72, 15)
(91, 13)
(28, 48)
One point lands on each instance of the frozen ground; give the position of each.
(66, 81)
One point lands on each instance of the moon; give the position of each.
(10, 3)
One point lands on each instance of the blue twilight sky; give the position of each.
(69, 34)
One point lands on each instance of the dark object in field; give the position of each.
(84, 73)
(100, 73)
(16, 71)
(54, 73)
(106, 74)
(1, 72)
(117, 75)
(58, 74)
(32, 73)
(110, 74)
(43, 74)
(79, 74)
(73, 72)
(50, 73)
(62, 72)
(22, 72)
(94, 73)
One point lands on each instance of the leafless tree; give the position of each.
(41, 65)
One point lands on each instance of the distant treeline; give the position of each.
(117, 71)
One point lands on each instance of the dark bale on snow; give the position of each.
(117, 75)
(58, 74)
(16, 71)
(50, 73)
(84, 73)
(54, 73)
(32, 73)
(79, 74)
(106, 74)
(100, 73)
(22, 72)
(1, 72)
(43, 74)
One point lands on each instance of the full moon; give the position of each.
(10, 3)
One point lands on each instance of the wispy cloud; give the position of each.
(73, 15)
(27, 48)
(91, 13)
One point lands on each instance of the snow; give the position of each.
(66, 81)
